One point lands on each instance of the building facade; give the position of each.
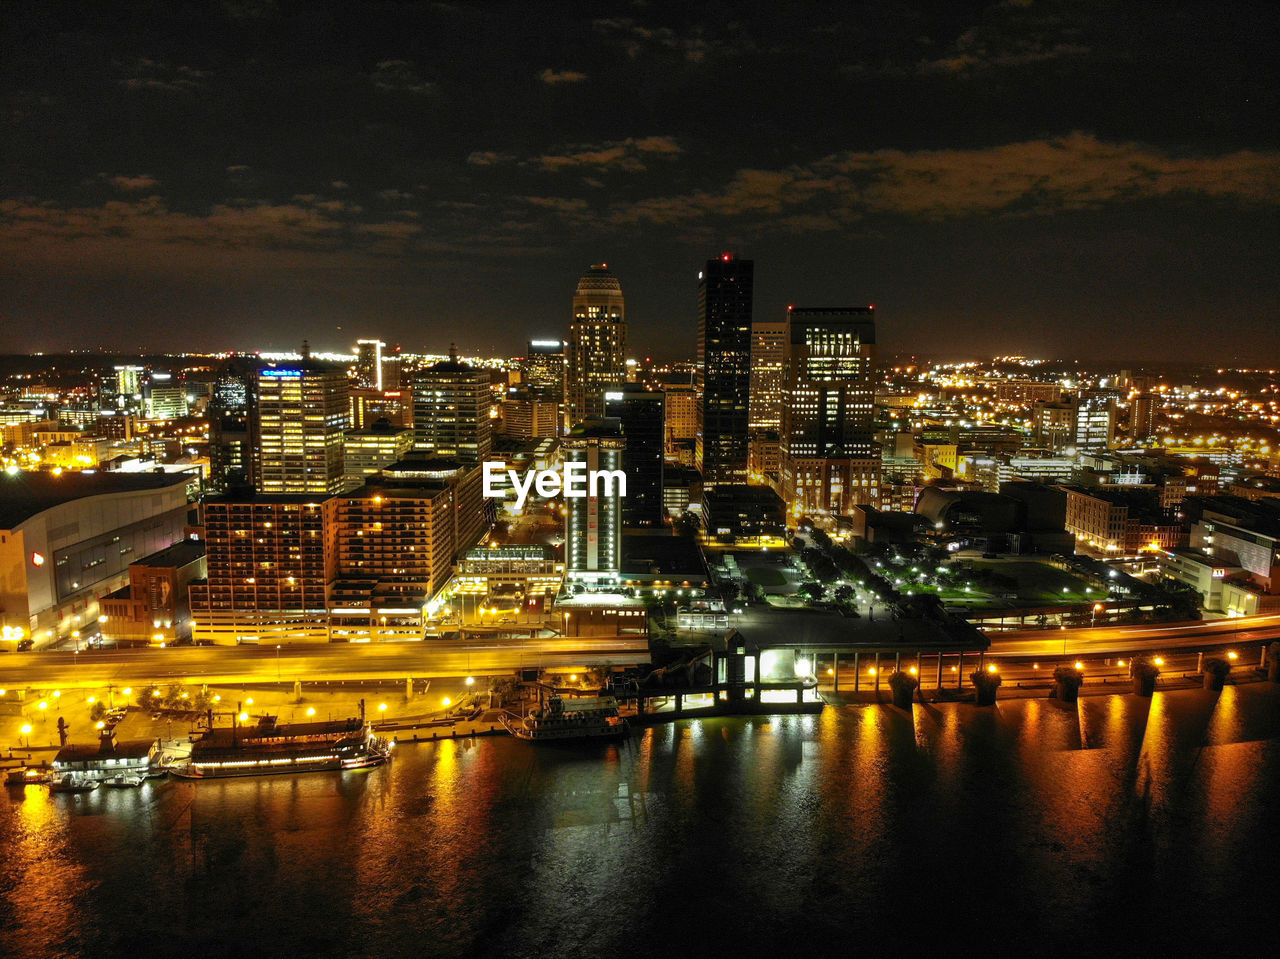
(830, 461)
(451, 403)
(299, 420)
(595, 356)
(641, 414)
(593, 527)
(68, 541)
(768, 354)
(723, 376)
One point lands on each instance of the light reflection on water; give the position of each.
(1032, 825)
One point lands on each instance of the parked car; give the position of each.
(24, 645)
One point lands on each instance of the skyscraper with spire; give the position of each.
(596, 352)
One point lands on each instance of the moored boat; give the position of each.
(269, 749)
(68, 783)
(587, 717)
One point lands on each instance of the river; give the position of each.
(1123, 824)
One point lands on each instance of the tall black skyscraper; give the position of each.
(724, 368)
(642, 416)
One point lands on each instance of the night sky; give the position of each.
(1073, 179)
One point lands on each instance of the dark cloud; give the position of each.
(497, 152)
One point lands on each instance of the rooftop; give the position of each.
(27, 494)
(182, 553)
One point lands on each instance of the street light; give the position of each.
(26, 731)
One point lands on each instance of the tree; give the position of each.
(811, 590)
(843, 593)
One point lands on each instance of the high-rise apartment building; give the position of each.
(230, 414)
(593, 527)
(1142, 416)
(300, 417)
(640, 413)
(595, 355)
(829, 459)
(451, 403)
(723, 376)
(270, 559)
(768, 351)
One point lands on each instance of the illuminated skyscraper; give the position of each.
(723, 374)
(597, 347)
(593, 529)
(768, 349)
(829, 459)
(543, 369)
(640, 413)
(369, 363)
(300, 417)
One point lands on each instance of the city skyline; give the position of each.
(1030, 175)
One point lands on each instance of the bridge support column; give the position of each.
(297, 690)
(835, 668)
(857, 670)
(960, 671)
(877, 671)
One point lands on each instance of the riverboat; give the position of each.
(587, 717)
(269, 749)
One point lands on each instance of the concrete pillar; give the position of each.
(857, 670)
(919, 670)
(835, 668)
(877, 670)
(897, 660)
(408, 687)
(1262, 659)
(939, 669)
(679, 703)
(297, 690)
(960, 670)
(1199, 662)
(982, 659)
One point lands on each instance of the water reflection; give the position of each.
(867, 824)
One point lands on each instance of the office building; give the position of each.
(164, 397)
(543, 369)
(67, 541)
(300, 417)
(525, 417)
(595, 355)
(1054, 424)
(830, 461)
(640, 414)
(593, 527)
(366, 451)
(723, 376)
(681, 411)
(1095, 421)
(230, 416)
(451, 403)
(123, 388)
(369, 363)
(768, 352)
